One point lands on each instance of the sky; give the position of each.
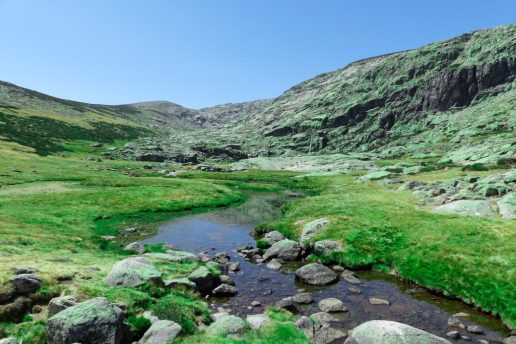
(203, 53)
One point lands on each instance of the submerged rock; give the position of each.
(161, 331)
(285, 249)
(96, 321)
(316, 274)
(387, 332)
(132, 272)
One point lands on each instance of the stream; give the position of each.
(226, 230)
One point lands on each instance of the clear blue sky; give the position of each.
(200, 53)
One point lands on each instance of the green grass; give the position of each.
(472, 258)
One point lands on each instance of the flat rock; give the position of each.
(388, 332)
(161, 331)
(132, 272)
(285, 249)
(378, 301)
(467, 207)
(96, 321)
(173, 256)
(316, 274)
(257, 321)
(332, 304)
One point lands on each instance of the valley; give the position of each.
(381, 191)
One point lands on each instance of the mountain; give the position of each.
(453, 99)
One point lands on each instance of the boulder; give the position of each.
(303, 298)
(9, 340)
(205, 281)
(326, 246)
(312, 228)
(96, 321)
(173, 256)
(225, 290)
(132, 272)
(161, 331)
(507, 206)
(467, 207)
(25, 284)
(386, 332)
(273, 237)
(285, 249)
(316, 274)
(274, 264)
(226, 324)
(332, 304)
(257, 321)
(58, 304)
(135, 247)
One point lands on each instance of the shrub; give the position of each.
(263, 244)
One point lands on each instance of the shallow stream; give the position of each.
(226, 230)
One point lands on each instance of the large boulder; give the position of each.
(96, 321)
(285, 249)
(467, 207)
(205, 280)
(507, 206)
(58, 304)
(25, 284)
(161, 331)
(316, 274)
(387, 332)
(173, 256)
(132, 272)
(312, 228)
(226, 324)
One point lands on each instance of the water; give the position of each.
(225, 230)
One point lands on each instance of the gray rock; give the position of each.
(321, 318)
(332, 304)
(467, 207)
(510, 340)
(285, 249)
(378, 301)
(273, 237)
(225, 279)
(96, 321)
(305, 325)
(132, 272)
(375, 175)
(226, 324)
(507, 206)
(387, 332)
(173, 256)
(475, 329)
(327, 246)
(222, 258)
(135, 247)
(225, 290)
(274, 264)
(180, 282)
(355, 290)
(234, 266)
(313, 228)
(162, 331)
(454, 322)
(327, 335)
(58, 304)
(303, 298)
(453, 334)
(350, 277)
(316, 274)
(24, 284)
(257, 321)
(288, 304)
(205, 281)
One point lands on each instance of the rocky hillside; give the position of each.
(439, 98)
